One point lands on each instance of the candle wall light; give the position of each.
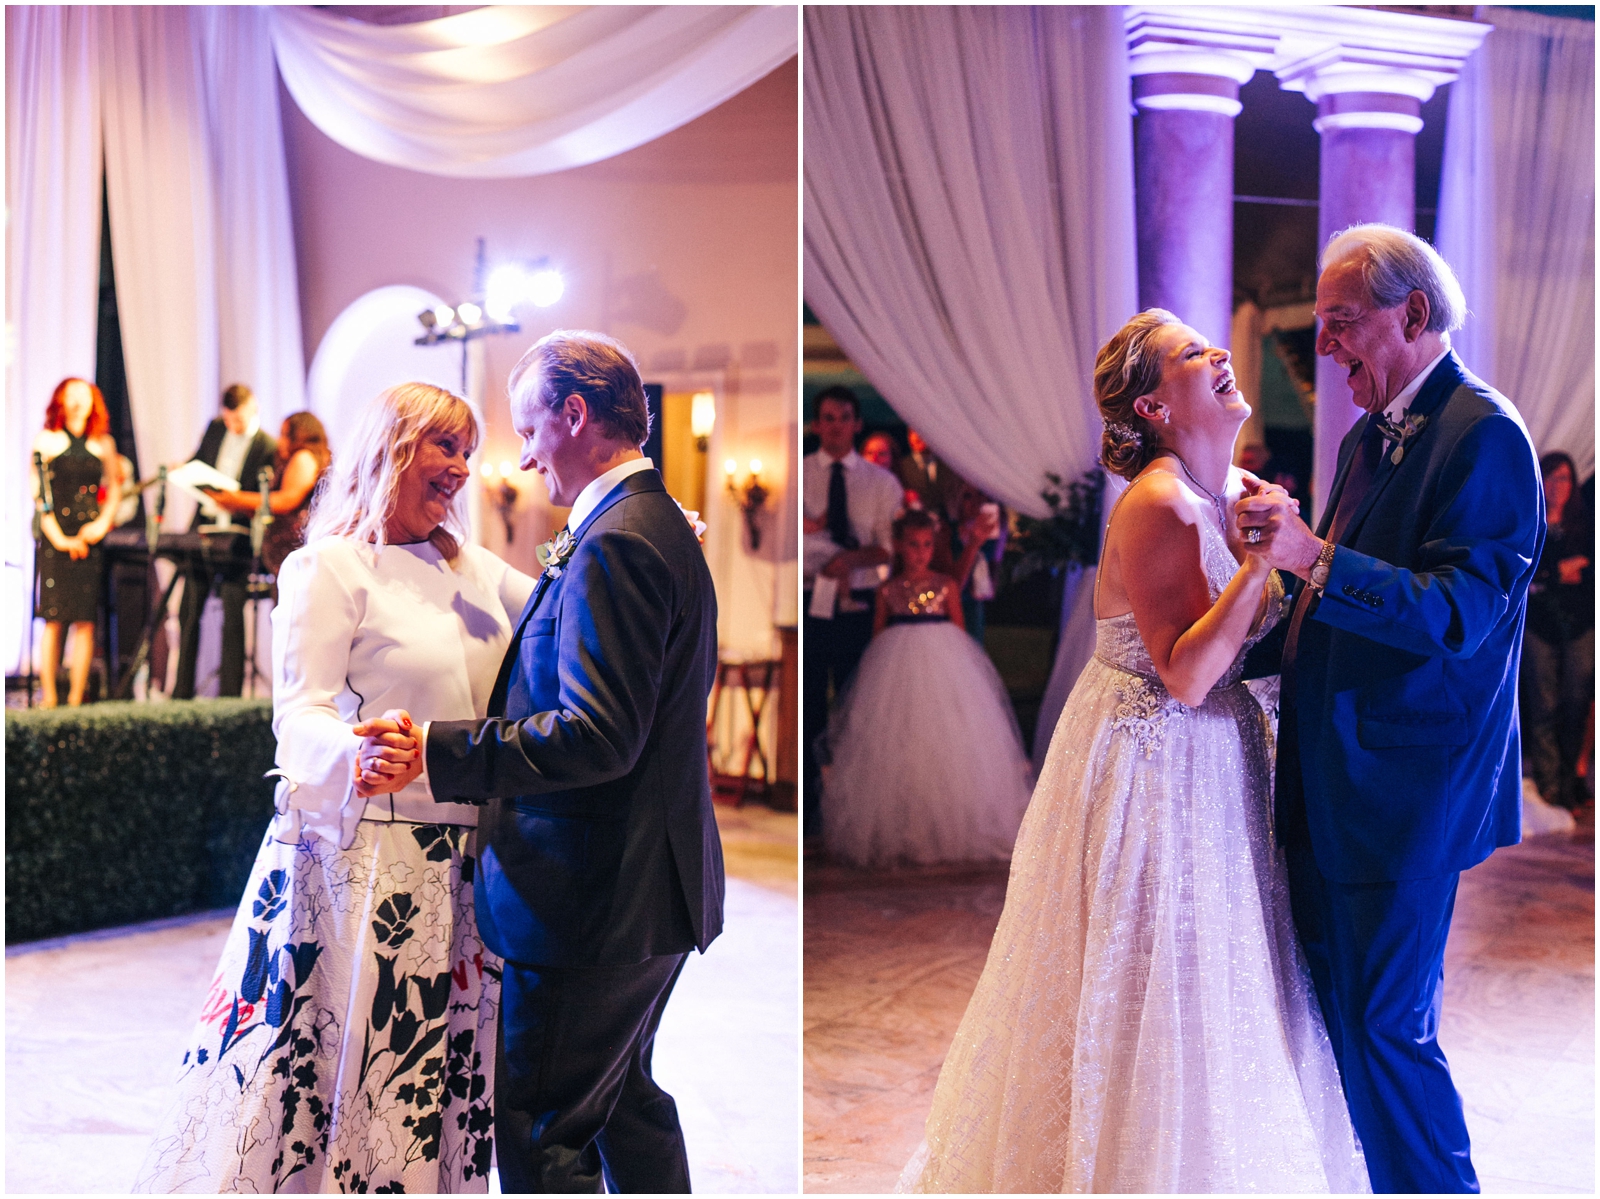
(749, 495)
(702, 418)
(502, 494)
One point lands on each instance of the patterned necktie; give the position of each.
(839, 510)
(1356, 485)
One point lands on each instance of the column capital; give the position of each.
(1318, 50)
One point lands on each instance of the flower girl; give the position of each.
(927, 760)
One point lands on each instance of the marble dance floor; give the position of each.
(92, 1023)
(891, 959)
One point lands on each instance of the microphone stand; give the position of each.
(152, 537)
(258, 585)
(42, 508)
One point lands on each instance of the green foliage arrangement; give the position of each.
(1069, 536)
(122, 812)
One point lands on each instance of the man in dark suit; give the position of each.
(601, 865)
(1398, 756)
(235, 445)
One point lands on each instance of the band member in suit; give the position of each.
(601, 864)
(234, 444)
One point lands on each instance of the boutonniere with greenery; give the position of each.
(1406, 430)
(554, 554)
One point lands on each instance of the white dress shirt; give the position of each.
(231, 454)
(600, 487)
(358, 631)
(874, 498)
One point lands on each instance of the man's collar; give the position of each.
(251, 429)
(599, 487)
(1397, 406)
(850, 460)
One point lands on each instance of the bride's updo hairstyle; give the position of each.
(1127, 367)
(357, 493)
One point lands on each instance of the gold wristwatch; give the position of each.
(1320, 568)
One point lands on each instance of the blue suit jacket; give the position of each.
(598, 846)
(1407, 762)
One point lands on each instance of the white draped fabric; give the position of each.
(52, 248)
(1516, 220)
(159, 192)
(258, 289)
(969, 236)
(512, 90)
(969, 227)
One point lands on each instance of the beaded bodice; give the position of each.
(75, 476)
(1117, 642)
(927, 599)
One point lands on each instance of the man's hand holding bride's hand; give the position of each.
(389, 756)
(1270, 526)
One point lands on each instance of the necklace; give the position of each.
(1216, 500)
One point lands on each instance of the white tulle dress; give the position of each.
(1145, 1021)
(927, 760)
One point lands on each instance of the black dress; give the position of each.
(70, 590)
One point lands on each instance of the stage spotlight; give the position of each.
(427, 318)
(545, 287)
(507, 287)
(445, 316)
(469, 313)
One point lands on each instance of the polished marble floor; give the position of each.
(92, 1023)
(891, 959)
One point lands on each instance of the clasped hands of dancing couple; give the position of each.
(1219, 964)
(461, 932)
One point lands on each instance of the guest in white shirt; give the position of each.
(850, 508)
(354, 974)
(235, 444)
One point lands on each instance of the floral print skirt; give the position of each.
(347, 1042)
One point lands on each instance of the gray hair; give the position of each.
(1394, 264)
(599, 368)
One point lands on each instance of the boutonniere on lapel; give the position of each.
(1405, 431)
(554, 554)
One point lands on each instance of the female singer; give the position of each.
(80, 470)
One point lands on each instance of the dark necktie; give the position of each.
(839, 510)
(1356, 485)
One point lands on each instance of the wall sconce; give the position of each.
(501, 494)
(702, 418)
(750, 496)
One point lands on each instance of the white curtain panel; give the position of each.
(969, 237)
(258, 294)
(163, 241)
(1516, 220)
(510, 90)
(52, 249)
(969, 227)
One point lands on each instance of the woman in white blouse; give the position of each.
(347, 1042)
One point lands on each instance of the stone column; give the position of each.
(1186, 77)
(1369, 121)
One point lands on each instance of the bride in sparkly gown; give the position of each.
(1145, 1021)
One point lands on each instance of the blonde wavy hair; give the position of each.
(357, 493)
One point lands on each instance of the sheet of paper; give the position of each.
(824, 595)
(193, 475)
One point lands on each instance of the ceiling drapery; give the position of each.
(513, 90)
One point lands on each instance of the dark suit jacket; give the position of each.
(262, 452)
(1407, 762)
(598, 845)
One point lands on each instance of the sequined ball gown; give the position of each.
(1145, 1021)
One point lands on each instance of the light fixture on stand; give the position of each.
(492, 309)
(750, 496)
(502, 494)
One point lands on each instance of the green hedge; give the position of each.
(122, 812)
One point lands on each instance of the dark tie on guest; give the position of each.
(839, 510)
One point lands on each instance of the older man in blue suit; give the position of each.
(1398, 758)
